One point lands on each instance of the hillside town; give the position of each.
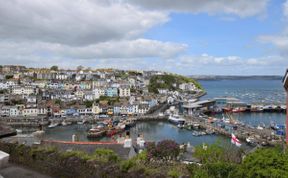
(52, 92)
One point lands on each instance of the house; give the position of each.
(40, 84)
(89, 96)
(111, 92)
(98, 92)
(162, 91)
(116, 109)
(285, 83)
(124, 92)
(31, 101)
(61, 76)
(23, 90)
(85, 111)
(42, 111)
(30, 112)
(14, 111)
(5, 111)
(142, 109)
(5, 98)
(96, 109)
(70, 112)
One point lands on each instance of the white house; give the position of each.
(42, 111)
(124, 92)
(98, 92)
(143, 108)
(23, 90)
(30, 112)
(85, 111)
(14, 111)
(162, 91)
(5, 111)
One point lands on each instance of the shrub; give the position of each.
(127, 164)
(105, 155)
(164, 150)
(78, 154)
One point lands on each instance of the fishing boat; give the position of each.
(114, 131)
(238, 109)
(176, 119)
(96, 133)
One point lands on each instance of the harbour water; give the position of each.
(249, 91)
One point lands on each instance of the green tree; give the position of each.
(7, 77)
(55, 68)
(264, 162)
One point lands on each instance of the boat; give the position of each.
(19, 131)
(251, 140)
(238, 109)
(176, 119)
(64, 123)
(129, 124)
(195, 133)
(114, 131)
(180, 126)
(96, 133)
(226, 109)
(260, 127)
(53, 124)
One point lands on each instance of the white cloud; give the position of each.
(242, 8)
(207, 64)
(139, 48)
(79, 22)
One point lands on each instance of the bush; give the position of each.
(164, 150)
(105, 155)
(127, 164)
(78, 154)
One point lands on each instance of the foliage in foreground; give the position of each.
(217, 161)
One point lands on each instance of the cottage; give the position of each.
(285, 83)
(124, 92)
(111, 92)
(30, 112)
(14, 111)
(98, 92)
(23, 90)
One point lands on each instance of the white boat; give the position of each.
(176, 119)
(19, 131)
(259, 127)
(64, 123)
(180, 126)
(53, 124)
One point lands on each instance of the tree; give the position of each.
(163, 150)
(264, 162)
(7, 77)
(79, 68)
(55, 68)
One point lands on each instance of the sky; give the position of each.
(190, 37)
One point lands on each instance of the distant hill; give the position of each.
(170, 82)
(231, 77)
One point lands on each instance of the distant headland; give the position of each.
(236, 77)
